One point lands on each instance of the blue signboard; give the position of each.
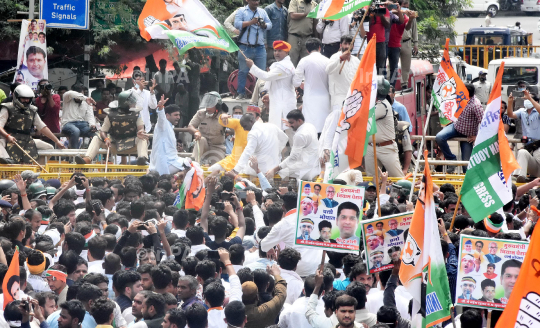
(71, 14)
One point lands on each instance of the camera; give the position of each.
(260, 21)
(357, 16)
(145, 225)
(378, 8)
(45, 86)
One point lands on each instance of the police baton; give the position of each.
(107, 159)
(33, 160)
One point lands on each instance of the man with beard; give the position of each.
(136, 308)
(71, 315)
(468, 285)
(56, 277)
(346, 312)
(490, 271)
(47, 303)
(325, 230)
(127, 284)
(153, 311)
(306, 227)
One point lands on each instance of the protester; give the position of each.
(77, 116)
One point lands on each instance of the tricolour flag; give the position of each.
(523, 307)
(192, 191)
(423, 271)
(450, 96)
(357, 120)
(487, 186)
(12, 283)
(336, 9)
(187, 23)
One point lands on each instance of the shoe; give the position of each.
(450, 169)
(241, 96)
(7, 161)
(82, 160)
(141, 161)
(521, 179)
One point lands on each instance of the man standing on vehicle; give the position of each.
(482, 88)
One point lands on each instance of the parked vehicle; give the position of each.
(515, 70)
(479, 7)
(530, 7)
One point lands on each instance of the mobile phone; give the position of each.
(26, 305)
(518, 94)
(392, 6)
(225, 195)
(220, 206)
(241, 194)
(213, 255)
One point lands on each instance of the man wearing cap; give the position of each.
(468, 285)
(482, 88)
(280, 80)
(370, 191)
(468, 247)
(307, 206)
(376, 259)
(306, 227)
(146, 98)
(529, 161)
(205, 128)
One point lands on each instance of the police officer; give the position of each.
(387, 149)
(301, 28)
(16, 121)
(122, 130)
(205, 128)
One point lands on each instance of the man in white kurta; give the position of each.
(303, 162)
(312, 70)
(339, 84)
(279, 82)
(146, 99)
(264, 141)
(164, 157)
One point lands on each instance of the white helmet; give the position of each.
(22, 91)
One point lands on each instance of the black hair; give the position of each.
(214, 294)
(197, 316)
(75, 309)
(88, 292)
(324, 224)
(97, 247)
(189, 265)
(161, 276)
(296, 115)
(288, 258)
(275, 213)
(470, 88)
(125, 279)
(206, 269)
(177, 317)
(289, 200)
(510, 264)
(347, 206)
(181, 219)
(313, 44)
(345, 300)
(358, 291)
(196, 235)
(358, 269)
(471, 318)
(236, 252)
(309, 286)
(261, 278)
(101, 310)
(128, 256)
(157, 301)
(33, 50)
(388, 314)
(235, 313)
(42, 297)
(171, 109)
(137, 209)
(244, 275)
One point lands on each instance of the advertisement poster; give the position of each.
(384, 240)
(329, 216)
(32, 56)
(488, 270)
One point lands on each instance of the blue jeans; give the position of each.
(449, 132)
(393, 58)
(75, 130)
(258, 55)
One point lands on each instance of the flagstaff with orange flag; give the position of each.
(11, 284)
(487, 186)
(357, 120)
(423, 271)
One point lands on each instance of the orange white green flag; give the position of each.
(192, 192)
(487, 186)
(423, 271)
(357, 120)
(449, 94)
(336, 9)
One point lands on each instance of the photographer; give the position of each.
(77, 116)
(364, 28)
(332, 31)
(381, 20)
(252, 22)
(49, 105)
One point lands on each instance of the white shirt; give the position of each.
(339, 84)
(295, 285)
(96, 266)
(164, 80)
(164, 151)
(482, 91)
(216, 315)
(179, 232)
(285, 232)
(294, 316)
(39, 284)
(302, 162)
(333, 32)
(316, 106)
(265, 141)
(146, 100)
(280, 89)
(329, 131)
(375, 301)
(196, 248)
(316, 317)
(74, 112)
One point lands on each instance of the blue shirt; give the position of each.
(253, 34)
(278, 17)
(402, 113)
(341, 284)
(530, 123)
(88, 321)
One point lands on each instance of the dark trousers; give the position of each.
(329, 49)
(381, 57)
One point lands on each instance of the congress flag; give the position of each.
(186, 23)
(11, 284)
(487, 186)
(192, 192)
(336, 9)
(450, 96)
(523, 307)
(357, 120)
(423, 271)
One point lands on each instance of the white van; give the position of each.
(515, 70)
(479, 7)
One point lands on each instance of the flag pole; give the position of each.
(453, 316)
(455, 212)
(488, 323)
(376, 175)
(351, 46)
(420, 151)
(242, 53)
(363, 41)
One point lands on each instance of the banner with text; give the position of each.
(329, 216)
(488, 270)
(32, 56)
(384, 239)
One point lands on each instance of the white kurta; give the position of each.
(164, 151)
(265, 141)
(339, 84)
(145, 100)
(279, 82)
(303, 161)
(312, 69)
(328, 132)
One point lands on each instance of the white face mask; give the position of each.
(136, 86)
(237, 116)
(403, 8)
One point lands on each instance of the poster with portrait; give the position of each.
(384, 239)
(488, 270)
(329, 216)
(32, 55)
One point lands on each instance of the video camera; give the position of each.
(378, 8)
(358, 14)
(45, 86)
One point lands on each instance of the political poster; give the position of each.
(329, 216)
(488, 270)
(384, 239)
(32, 56)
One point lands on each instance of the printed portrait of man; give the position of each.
(306, 205)
(488, 291)
(369, 229)
(325, 231)
(509, 274)
(307, 190)
(468, 285)
(394, 253)
(347, 217)
(306, 227)
(329, 200)
(468, 247)
(492, 256)
(490, 271)
(41, 38)
(376, 259)
(394, 231)
(373, 242)
(467, 264)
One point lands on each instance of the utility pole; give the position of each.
(31, 10)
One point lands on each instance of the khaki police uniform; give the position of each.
(408, 40)
(387, 149)
(299, 29)
(212, 143)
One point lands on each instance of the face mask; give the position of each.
(521, 89)
(403, 8)
(136, 86)
(237, 116)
